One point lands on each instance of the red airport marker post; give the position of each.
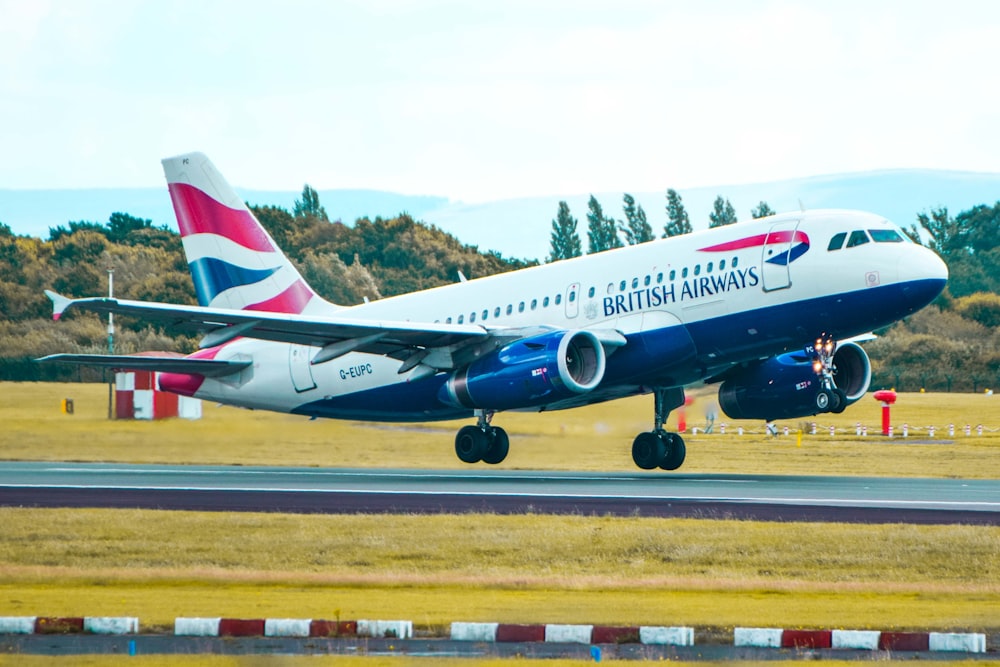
(887, 397)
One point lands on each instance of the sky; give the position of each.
(482, 101)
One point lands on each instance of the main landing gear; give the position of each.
(657, 448)
(482, 442)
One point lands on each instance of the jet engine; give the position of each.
(787, 386)
(530, 372)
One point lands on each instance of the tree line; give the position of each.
(952, 345)
(606, 233)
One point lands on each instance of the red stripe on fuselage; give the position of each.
(198, 213)
(783, 236)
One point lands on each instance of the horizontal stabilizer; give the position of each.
(203, 367)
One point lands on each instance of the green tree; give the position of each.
(602, 232)
(762, 210)
(121, 226)
(982, 307)
(309, 206)
(722, 213)
(635, 229)
(678, 221)
(565, 241)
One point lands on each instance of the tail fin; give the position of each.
(234, 261)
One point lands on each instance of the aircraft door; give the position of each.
(776, 256)
(573, 300)
(299, 367)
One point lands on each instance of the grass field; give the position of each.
(433, 570)
(593, 438)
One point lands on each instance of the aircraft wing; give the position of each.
(440, 346)
(220, 325)
(206, 367)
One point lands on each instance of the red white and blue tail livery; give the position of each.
(757, 306)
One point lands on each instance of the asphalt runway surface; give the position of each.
(478, 489)
(69, 645)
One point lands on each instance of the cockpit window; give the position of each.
(885, 236)
(858, 237)
(837, 242)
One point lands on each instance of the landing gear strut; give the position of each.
(658, 448)
(482, 442)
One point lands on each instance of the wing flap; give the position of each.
(205, 367)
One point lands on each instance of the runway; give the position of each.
(336, 490)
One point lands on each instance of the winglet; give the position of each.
(59, 303)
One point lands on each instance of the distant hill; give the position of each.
(520, 227)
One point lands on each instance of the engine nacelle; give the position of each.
(530, 372)
(787, 387)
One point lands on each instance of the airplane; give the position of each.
(766, 308)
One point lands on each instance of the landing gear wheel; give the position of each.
(840, 401)
(676, 451)
(471, 444)
(648, 450)
(499, 445)
(823, 400)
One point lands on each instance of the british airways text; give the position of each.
(695, 288)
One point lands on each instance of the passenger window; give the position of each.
(534, 304)
(472, 318)
(885, 236)
(621, 286)
(858, 237)
(510, 309)
(659, 278)
(673, 275)
(684, 272)
(635, 283)
(545, 302)
(837, 242)
(461, 319)
(591, 292)
(485, 314)
(697, 269)
(736, 261)
(520, 307)
(611, 288)
(448, 321)
(572, 296)
(646, 281)
(558, 299)
(722, 265)
(708, 269)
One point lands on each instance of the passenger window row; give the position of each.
(509, 310)
(623, 285)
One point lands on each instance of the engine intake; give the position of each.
(787, 387)
(529, 373)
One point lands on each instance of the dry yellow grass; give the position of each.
(438, 569)
(593, 438)
(519, 569)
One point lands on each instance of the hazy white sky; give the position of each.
(492, 100)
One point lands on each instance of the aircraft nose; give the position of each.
(922, 276)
